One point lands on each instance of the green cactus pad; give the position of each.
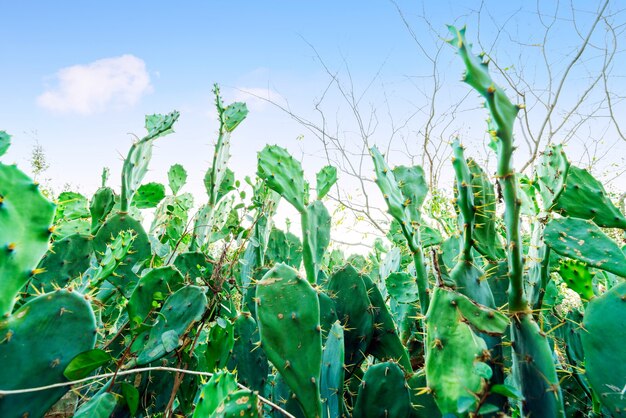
(247, 358)
(534, 365)
(140, 154)
(454, 349)
(125, 278)
(503, 112)
(37, 342)
(582, 240)
(179, 311)
(387, 183)
(412, 184)
(584, 197)
(100, 206)
(193, 266)
(402, 287)
(315, 238)
(177, 177)
(289, 315)
(242, 403)
(283, 248)
(71, 206)
(404, 197)
(66, 260)
(332, 376)
(486, 239)
(211, 394)
(422, 400)
(25, 220)
(578, 277)
(148, 195)
(349, 292)
(328, 314)
(385, 344)
(383, 393)
(151, 290)
(220, 342)
(284, 175)
(5, 142)
(233, 115)
(552, 172)
(326, 178)
(603, 339)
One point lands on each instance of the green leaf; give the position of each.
(85, 363)
(131, 395)
(100, 406)
(149, 195)
(508, 391)
(488, 409)
(177, 176)
(5, 142)
(483, 370)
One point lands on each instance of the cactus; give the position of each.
(486, 239)
(552, 172)
(383, 393)
(5, 142)
(326, 178)
(247, 359)
(179, 311)
(603, 341)
(140, 153)
(66, 260)
(212, 394)
(571, 237)
(25, 227)
(402, 287)
(152, 288)
(404, 197)
(289, 315)
(332, 375)
(529, 341)
(284, 175)
(584, 197)
(38, 341)
(385, 344)
(126, 278)
(148, 195)
(455, 351)
(219, 345)
(100, 206)
(578, 277)
(349, 292)
(177, 177)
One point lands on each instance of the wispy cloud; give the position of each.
(256, 98)
(110, 82)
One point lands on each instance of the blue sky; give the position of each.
(78, 76)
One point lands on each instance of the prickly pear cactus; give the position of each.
(37, 342)
(25, 227)
(383, 392)
(603, 340)
(455, 354)
(571, 237)
(289, 324)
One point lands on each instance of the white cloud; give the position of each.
(256, 98)
(110, 82)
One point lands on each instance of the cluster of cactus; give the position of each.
(253, 321)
